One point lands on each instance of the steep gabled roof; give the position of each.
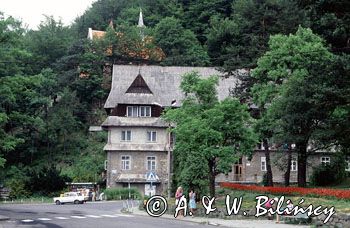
(163, 82)
(141, 24)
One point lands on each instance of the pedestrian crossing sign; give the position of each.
(151, 176)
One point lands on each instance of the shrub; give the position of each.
(122, 193)
(322, 175)
(47, 180)
(143, 204)
(16, 181)
(17, 189)
(333, 173)
(264, 181)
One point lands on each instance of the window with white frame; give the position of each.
(138, 111)
(325, 160)
(294, 165)
(126, 162)
(132, 111)
(263, 164)
(126, 135)
(347, 164)
(151, 136)
(145, 111)
(151, 163)
(109, 137)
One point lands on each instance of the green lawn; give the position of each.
(29, 200)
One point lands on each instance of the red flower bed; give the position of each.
(341, 194)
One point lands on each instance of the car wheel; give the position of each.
(76, 201)
(58, 202)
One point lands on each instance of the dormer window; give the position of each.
(145, 111)
(132, 111)
(138, 111)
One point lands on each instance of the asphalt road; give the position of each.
(97, 214)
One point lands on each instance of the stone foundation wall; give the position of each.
(338, 220)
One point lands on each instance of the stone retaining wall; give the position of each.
(338, 220)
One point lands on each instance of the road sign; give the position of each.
(151, 176)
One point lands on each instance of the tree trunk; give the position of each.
(268, 163)
(64, 144)
(289, 163)
(47, 134)
(212, 175)
(302, 162)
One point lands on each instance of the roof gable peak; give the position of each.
(139, 86)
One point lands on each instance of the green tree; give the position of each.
(49, 43)
(243, 38)
(338, 125)
(89, 89)
(47, 180)
(98, 16)
(89, 165)
(180, 45)
(299, 85)
(2, 162)
(222, 34)
(21, 105)
(210, 135)
(153, 11)
(13, 56)
(102, 12)
(265, 131)
(128, 43)
(330, 174)
(16, 181)
(237, 42)
(198, 13)
(3, 140)
(331, 20)
(61, 124)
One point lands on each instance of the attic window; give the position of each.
(139, 86)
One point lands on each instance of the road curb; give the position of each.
(37, 203)
(3, 218)
(200, 220)
(183, 219)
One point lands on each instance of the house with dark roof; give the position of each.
(139, 146)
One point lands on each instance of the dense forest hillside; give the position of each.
(52, 85)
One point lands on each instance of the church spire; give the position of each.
(111, 24)
(140, 24)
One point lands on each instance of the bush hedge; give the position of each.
(122, 193)
(329, 174)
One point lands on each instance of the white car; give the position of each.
(69, 197)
